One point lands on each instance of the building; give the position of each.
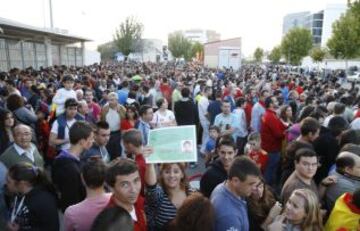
(294, 20)
(223, 53)
(319, 23)
(22, 46)
(201, 36)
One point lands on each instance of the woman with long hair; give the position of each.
(7, 122)
(302, 213)
(35, 206)
(286, 115)
(131, 117)
(165, 196)
(163, 117)
(262, 207)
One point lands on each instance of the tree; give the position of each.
(258, 54)
(296, 44)
(107, 50)
(179, 45)
(197, 50)
(128, 37)
(317, 54)
(345, 39)
(275, 55)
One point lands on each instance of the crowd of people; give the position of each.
(281, 149)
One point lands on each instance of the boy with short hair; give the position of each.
(66, 167)
(255, 152)
(214, 133)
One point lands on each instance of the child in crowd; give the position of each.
(255, 152)
(214, 133)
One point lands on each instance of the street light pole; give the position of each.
(51, 15)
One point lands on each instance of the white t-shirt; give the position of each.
(203, 106)
(60, 97)
(54, 129)
(159, 118)
(113, 119)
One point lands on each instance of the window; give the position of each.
(29, 54)
(3, 56)
(15, 54)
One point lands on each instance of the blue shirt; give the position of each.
(210, 145)
(144, 128)
(232, 120)
(214, 109)
(230, 210)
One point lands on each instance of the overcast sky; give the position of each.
(258, 22)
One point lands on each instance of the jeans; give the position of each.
(271, 168)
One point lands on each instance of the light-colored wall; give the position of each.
(332, 13)
(211, 60)
(92, 57)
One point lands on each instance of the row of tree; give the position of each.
(298, 43)
(128, 39)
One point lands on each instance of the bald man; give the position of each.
(22, 150)
(348, 177)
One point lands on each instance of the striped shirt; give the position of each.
(159, 208)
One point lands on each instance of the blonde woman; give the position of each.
(302, 213)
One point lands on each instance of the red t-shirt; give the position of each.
(166, 92)
(126, 125)
(140, 224)
(260, 157)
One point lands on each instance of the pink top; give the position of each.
(79, 217)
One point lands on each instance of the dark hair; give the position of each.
(225, 140)
(268, 101)
(262, 93)
(350, 136)
(339, 108)
(305, 112)
(185, 92)
(308, 125)
(4, 137)
(71, 102)
(260, 208)
(353, 148)
(24, 171)
(356, 198)
(102, 125)
(304, 152)
(240, 102)
(79, 130)
(283, 112)
(14, 102)
(242, 167)
(344, 161)
(337, 125)
(132, 136)
(195, 214)
(125, 84)
(112, 219)
(214, 127)
(119, 167)
(143, 109)
(160, 102)
(93, 173)
(133, 109)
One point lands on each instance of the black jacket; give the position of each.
(66, 177)
(327, 148)
(185, 112)
(38, 212)
(214, 175)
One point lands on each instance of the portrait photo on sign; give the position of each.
(187, 146)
